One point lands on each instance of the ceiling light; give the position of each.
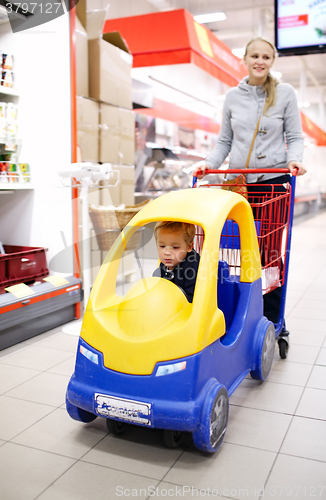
(210, 18)
(239, 52)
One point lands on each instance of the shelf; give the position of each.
(3, 140)
(8, 91)
(48, 307)
(15, 186)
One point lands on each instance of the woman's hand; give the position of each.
(200, 172)
(297, 164)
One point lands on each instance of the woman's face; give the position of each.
(259, 60)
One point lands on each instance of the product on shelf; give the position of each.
(3, 110)
(7, 74)
(11, 130)
(7, 61)
(8, 122)
(12, 172)
(3, 173)
(7, 79)
(24, 171)
(3, 120)
(11, 112)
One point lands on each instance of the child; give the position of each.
(179, 261)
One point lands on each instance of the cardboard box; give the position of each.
(81, 59)
(117, 135)
(92, 20)
(88, 128)
(110, 60)
(110, 70)
(124, 192)
(127, 185)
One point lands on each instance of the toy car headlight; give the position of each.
(89, 354)
(172, 368)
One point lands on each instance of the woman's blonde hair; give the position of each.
(271, 82)
(187, 229)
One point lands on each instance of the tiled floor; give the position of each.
(275, 444)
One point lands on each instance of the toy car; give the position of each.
(153, 359)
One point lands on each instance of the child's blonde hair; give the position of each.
(187, 229)
(271, 82)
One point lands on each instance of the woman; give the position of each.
(279, 141)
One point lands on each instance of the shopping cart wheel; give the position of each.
(265, 352)
(115, 427)
(172, 439)
(283, 347)
(212, 428)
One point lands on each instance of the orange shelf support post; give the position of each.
(72, 17)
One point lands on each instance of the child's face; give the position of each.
(172, 248)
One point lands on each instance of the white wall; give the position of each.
(42, 73)
(315, 179)
(316, 115)
(317, 109)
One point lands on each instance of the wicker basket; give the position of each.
(108, 224)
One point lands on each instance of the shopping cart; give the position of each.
(272, 206)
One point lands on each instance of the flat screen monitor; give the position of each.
(300, 27)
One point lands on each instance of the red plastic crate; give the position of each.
(20, 264)
(2, 270)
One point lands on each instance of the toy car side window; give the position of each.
(230, 246)
(138, 259)
(228, 271)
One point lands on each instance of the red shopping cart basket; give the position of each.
(271, 205)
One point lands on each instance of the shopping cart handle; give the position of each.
(242, 171)
(199, 173)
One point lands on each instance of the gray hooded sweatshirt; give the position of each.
(278, 141)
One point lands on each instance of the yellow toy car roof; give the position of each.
(200, 206)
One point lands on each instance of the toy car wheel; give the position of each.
(283, 348)
(78, 413)
(265, 354)
(215, 416)
(172, 439)
(116, 427)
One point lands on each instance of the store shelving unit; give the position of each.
(42, 304)
(48, 307)
(8, 94)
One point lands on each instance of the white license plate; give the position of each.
(124, 409)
